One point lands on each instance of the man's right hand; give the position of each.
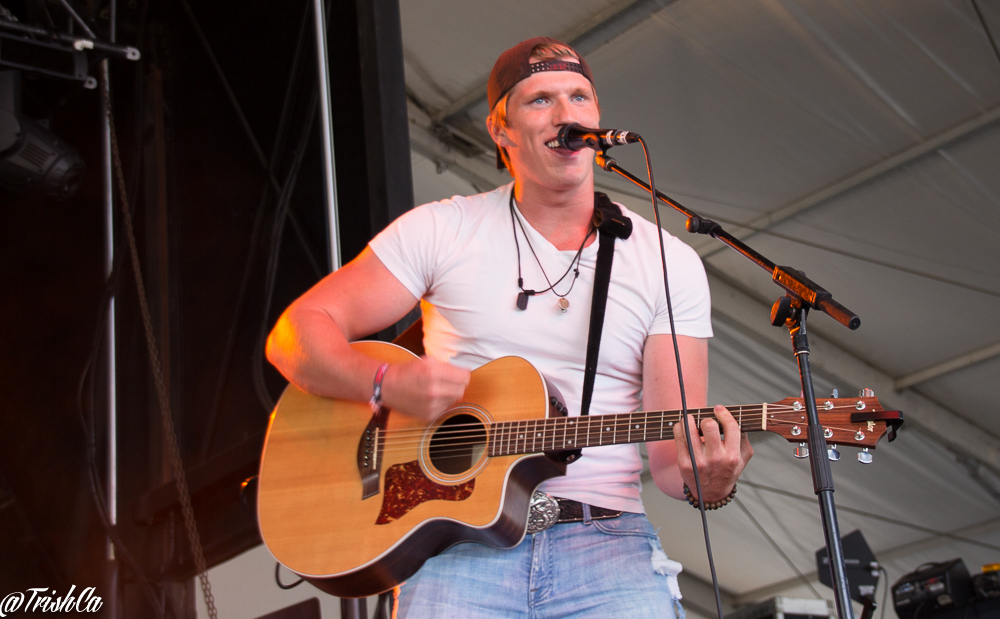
(423, 388)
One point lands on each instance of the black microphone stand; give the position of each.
(791, 310)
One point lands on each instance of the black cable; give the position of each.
(774, 544)
(281, 215)
(85, 385)
(247, 128)
(229, 91)
(517, 247)
(277, 578)
(860, 512)
(88, 375)
(680, 381)
(90, 443)
(76, 17)
(989, 35)
(277, 230)
(121, 549)
(255, 235)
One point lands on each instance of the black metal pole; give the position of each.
(353, 608)
(79, 43)
(822, 475)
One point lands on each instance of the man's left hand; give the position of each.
(721, 454)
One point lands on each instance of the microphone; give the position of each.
(575, 137)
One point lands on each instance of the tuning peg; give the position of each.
(864, 456)
(801, 451)
(833, 454)
(834, 393)
(866, 393)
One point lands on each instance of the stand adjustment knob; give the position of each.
(833, 454)
(781, 311)
(866, 393)
(865, 456)
(802, 451)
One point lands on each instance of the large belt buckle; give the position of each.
(543, 513)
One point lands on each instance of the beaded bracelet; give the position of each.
(714, 504)
(376, 401)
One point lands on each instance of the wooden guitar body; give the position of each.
(432, 492)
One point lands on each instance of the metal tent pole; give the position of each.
(329, 175)
(349, 608)
(110, 360)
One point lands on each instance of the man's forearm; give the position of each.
(311, 351)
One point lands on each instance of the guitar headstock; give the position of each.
(859, 421)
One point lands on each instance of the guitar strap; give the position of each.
(611, 225)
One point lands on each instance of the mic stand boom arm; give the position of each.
(793, 281)
(791, 310)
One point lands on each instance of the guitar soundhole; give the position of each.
(458, 444)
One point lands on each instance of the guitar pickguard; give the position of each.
(406, 487)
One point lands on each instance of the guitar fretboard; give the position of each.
(561, 433)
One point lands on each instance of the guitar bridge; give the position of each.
(370, 453)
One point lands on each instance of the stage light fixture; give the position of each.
(32, 158)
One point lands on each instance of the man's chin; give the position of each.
(568, 179)
(561, 174)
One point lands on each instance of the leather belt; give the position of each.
(547, 510)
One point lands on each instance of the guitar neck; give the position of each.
(562, 433)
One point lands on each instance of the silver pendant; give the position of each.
(563, 304)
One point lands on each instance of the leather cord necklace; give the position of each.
(522, 297)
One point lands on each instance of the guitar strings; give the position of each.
(522, 447)
(617, 419)
(560, 423)
(460, 448)
(550, 434)
(400, 440)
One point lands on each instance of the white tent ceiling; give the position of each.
(855, 140)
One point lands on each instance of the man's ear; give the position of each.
(498, 132)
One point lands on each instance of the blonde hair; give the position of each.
(543, 52)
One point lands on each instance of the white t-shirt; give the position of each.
(459, 257)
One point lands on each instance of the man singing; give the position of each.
(511, 272)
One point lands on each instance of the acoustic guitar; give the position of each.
(355, 502)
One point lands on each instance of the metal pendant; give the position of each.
(563, 304)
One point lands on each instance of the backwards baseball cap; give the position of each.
(515, 65)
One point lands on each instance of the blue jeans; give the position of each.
(597, 568)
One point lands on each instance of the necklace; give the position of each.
(522, 297)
